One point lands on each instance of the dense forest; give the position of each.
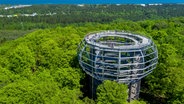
(68, 14)
(42, 66)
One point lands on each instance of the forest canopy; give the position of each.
(42, 66)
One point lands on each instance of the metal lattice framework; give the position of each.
(119, 56)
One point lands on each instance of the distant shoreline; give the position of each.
(99, 4)
(35, 2)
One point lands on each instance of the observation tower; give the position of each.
(117, 56)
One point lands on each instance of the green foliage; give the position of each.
(166, 81)
(36, 69)
(67, 77)
(7, 77)
(112, 93)
(137, 102)
(31, 92)
(42, 66)
(21, 58)
(86, 100)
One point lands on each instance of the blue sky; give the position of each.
(87, 1)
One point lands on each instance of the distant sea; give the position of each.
(15, 2)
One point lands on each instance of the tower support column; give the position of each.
(134, 90)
